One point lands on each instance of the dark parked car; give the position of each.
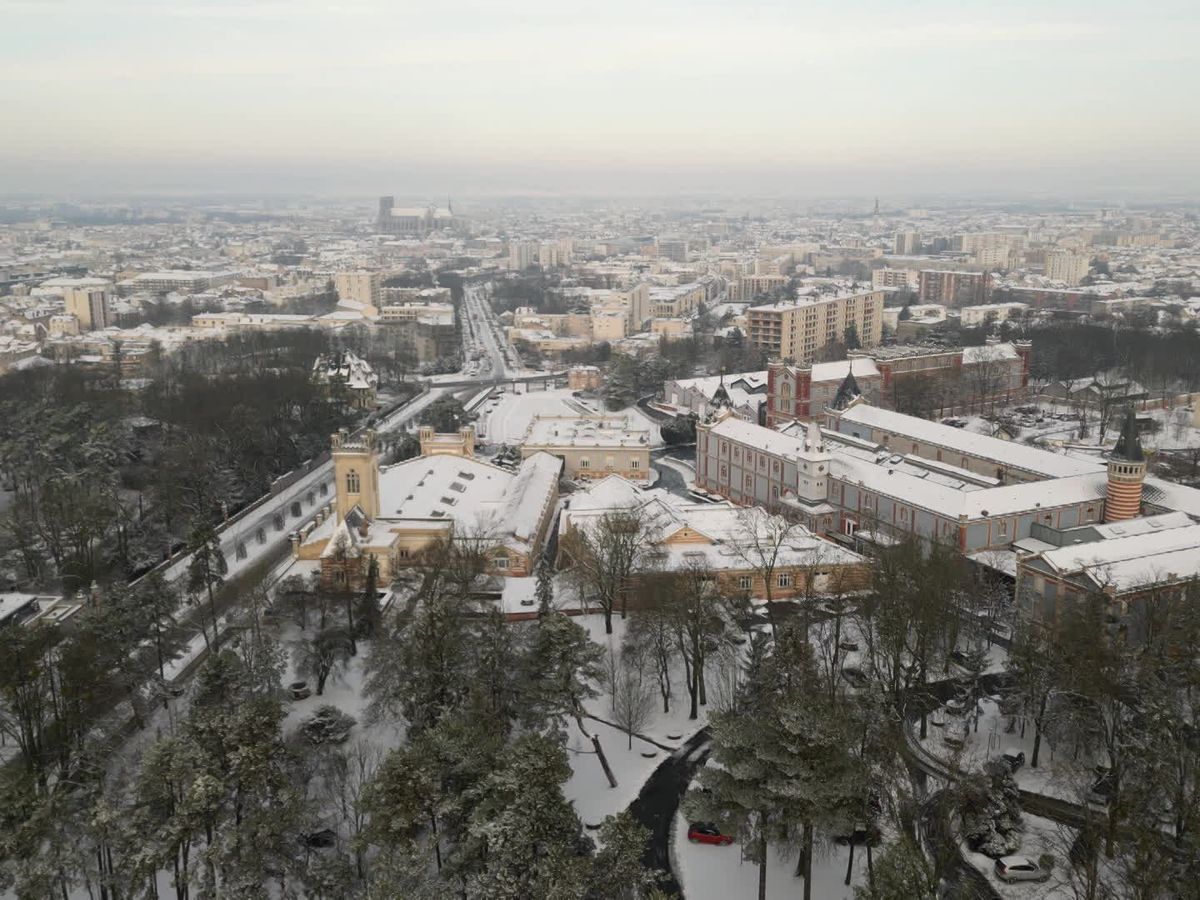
(707, 833)
(1104, 788)
(1014, 758)
(854, 676)
(319, 840)
(862, 834)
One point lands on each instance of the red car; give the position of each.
(705, 833)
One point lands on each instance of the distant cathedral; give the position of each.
(414, 221)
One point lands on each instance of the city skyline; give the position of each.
(470, 97)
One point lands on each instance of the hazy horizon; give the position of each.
(1065, 99)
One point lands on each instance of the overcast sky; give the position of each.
(454, 95)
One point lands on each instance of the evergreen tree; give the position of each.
(544, 590)
(562, 668)
(207, 571)
(525, 837)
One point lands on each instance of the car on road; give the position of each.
(956, 706)
(707, 833)
(847, 644)
(1021, 868)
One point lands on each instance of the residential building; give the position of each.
(990, 313)
(522, 255)
(894, 278)
(907, 243)
(952, 288)
(346, 377)
(90, 305)
(359, 291)
(922, 313)
(798, 330)
(186, 281)
(1066, 266)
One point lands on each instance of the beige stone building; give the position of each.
(584, 378)
(717, 537)
(1066, 266)
(460, 443)
(396, 514)
(592, 446)
(798, 330)
(88, 302)
(358, 290)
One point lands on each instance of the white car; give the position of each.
(1020, 868)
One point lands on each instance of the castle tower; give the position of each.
(1126, 472)
(356, 473)
(812, 467)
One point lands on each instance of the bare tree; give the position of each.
(631, 693)
(349, 772)
(762, 541)
(606, 553)
(653, 631)
(317, 658)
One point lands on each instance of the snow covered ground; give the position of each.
(587, 787)
(1057, 774)
(1041, 836)
(719, 873)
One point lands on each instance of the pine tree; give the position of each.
(544, 590)
(207, 571)
(526, 837)
(561, 670)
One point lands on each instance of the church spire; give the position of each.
(1129, 445)
(848, 392)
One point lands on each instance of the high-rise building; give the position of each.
(953, 288)
(894, 278)
(358, 290)
(523, 254)
(88, 304)
(799, 329)
(907, 242)
(1065, 266)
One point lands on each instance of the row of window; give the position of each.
(586, 463)
(746, 582)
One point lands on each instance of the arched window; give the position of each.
(352, 482)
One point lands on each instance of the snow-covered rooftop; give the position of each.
(1009, 453)
(586, 431)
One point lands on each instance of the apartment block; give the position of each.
(953, 288)
(1065, 266)
(798, 330)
